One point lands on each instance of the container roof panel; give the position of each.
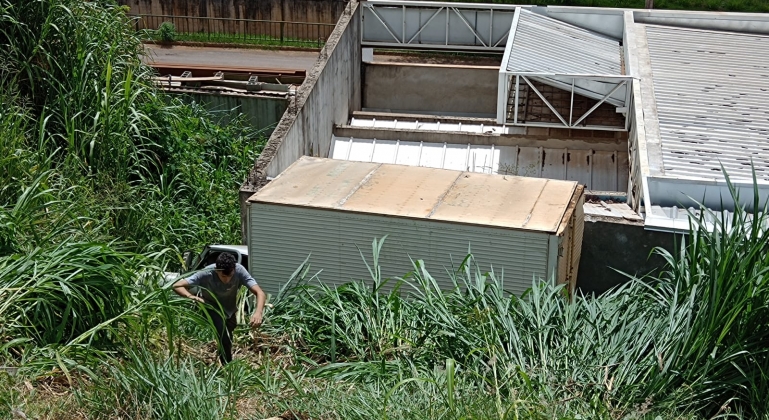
(545, 45)
(319, 183)
(550, 206)
(495, 200)
(408, 191)
(530, 204)
(711, 91)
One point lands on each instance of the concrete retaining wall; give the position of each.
(317, 11)
(330, 92)
(261, 112)
(448, 90)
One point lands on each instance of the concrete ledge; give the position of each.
(403, 116)
(479, 139)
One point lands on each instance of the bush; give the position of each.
(167, 32)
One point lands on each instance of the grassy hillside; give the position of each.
(104, 179)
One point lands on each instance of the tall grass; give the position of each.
(149, 388)
(693, 339)
(82, 105)
(104, 180)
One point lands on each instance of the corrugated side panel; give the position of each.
(282, 237)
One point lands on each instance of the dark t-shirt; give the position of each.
(225, 293)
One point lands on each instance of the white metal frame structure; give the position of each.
(436, 25)
(541, 53)
(516, 81)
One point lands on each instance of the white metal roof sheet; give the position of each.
(531, 204)
(600, 170)
(712, 95)
(545, 45)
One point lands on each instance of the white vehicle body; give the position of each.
(207, 257)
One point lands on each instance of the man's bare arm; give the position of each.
(180, 288)
(261, 298)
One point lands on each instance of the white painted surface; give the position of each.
(429, 126)
(598, 170)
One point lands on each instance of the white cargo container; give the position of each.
(522, 228)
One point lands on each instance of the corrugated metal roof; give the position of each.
(545, 45)
(712, 95)
(423, 193)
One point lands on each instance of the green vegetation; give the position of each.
(103, 180)
(166, 32)
(225, 38)
(245, 32)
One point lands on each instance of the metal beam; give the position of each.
(517, 88)
(379, 18)
(425, 25)
(503, 90)
(541, 96)
(589, 111)
(462, 17)
(391, 23)
(572, 87)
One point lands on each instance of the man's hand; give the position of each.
(256, 320)
(197, 299)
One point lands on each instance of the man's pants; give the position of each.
(224, 329)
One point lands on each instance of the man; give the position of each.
(219, 284)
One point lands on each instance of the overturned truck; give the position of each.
(524, 229)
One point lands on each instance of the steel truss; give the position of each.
(509, 112)
(436, 25)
